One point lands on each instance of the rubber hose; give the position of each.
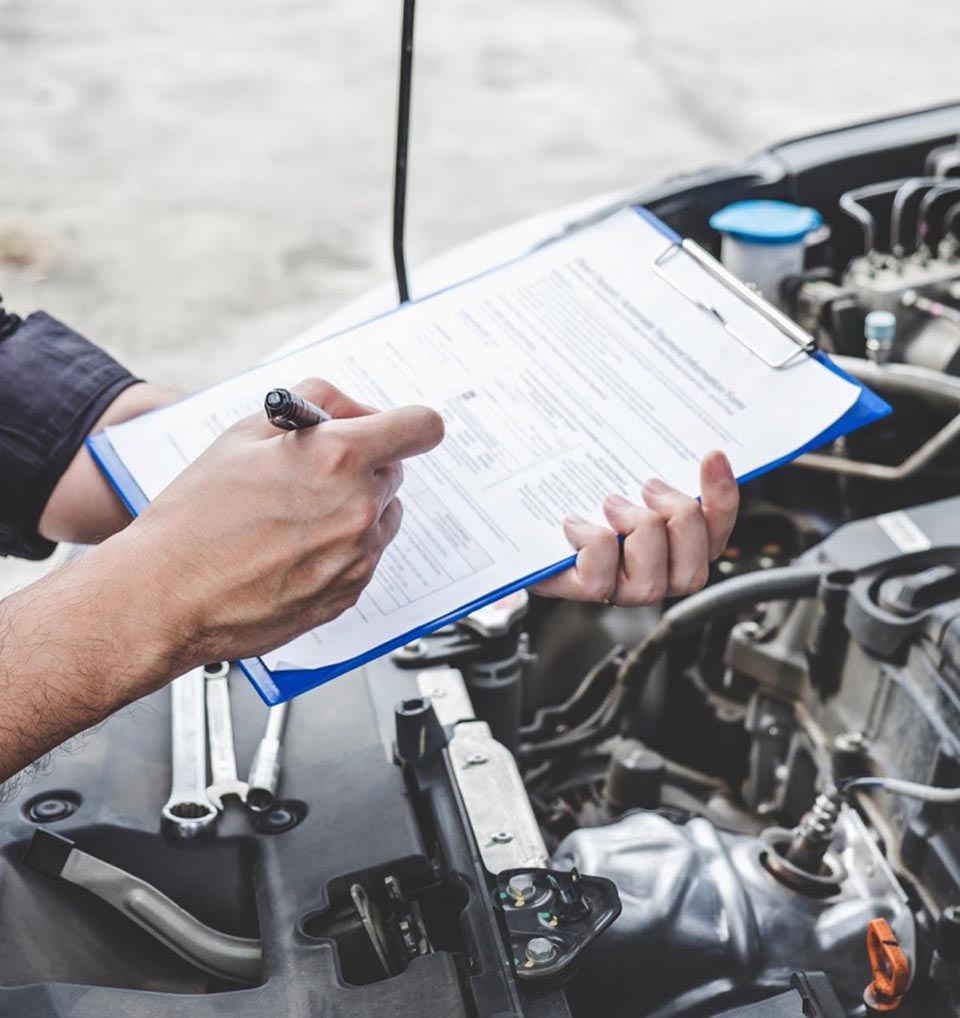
(725, 598)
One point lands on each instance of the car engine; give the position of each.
(744, 803)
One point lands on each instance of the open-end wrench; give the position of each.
(265, 769)
(188, 813)
(223, 760)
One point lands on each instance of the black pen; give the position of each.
(287, 410)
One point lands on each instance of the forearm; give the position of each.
(78, 644)
(83, 507)
(55, 387)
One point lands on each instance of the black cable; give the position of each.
(400, 161)
(546, 719)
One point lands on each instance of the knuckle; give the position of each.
(392, 517)
(651, 592)
(339, 453)
(366, 514)
(699, 579)
(393, 475)
(687, 511)
(599, 588)
(338, 607)
(691, 582)
(361, 572)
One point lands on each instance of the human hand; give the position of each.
(668, 543)
(269, 534)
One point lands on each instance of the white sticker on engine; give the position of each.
(904, 533)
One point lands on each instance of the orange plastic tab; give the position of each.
(890, 967)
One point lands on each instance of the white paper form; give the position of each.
(571, 374)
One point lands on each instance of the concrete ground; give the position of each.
(190, 184)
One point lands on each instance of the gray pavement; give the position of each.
(190, 184)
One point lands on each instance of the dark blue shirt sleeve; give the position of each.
(54, 386)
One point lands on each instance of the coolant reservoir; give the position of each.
(763, 241)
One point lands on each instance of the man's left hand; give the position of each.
(667, 547)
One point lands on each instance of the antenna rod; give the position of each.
(403, 136)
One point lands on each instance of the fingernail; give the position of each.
(656, 487)
(618, 501)
(575, 520)
(719, 469)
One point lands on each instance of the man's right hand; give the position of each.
(271, 533)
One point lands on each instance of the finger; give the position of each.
(390, 479)
(386, 483)
(720, 498)
(316, 390)
(375, 542)
(336, 402)
(645, 554)
(390, 522)
(393, 434)
(686, 535)
(594, 575)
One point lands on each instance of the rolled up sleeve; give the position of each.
(54, 386)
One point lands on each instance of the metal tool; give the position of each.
(188, 812)
(238, 959)
(223, 760)
(265, 769)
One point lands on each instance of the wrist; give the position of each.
(153, 634)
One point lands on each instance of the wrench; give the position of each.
(265, 769)
(188, 812)
(223, 760)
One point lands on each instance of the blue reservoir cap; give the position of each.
(766, 222)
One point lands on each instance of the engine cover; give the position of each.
(705, 921)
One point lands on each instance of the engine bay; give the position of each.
(744, 803)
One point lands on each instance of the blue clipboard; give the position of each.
(277, 686)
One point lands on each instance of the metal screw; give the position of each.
(541, 951)
(475, 759)
(521, 887)
(502, 838)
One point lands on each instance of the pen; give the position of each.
(287, 410)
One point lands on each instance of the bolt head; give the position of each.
(474, 759)
(522, 887)
(502, 838)
(541, 951)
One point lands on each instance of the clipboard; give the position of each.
(276, 686)
(869, 407)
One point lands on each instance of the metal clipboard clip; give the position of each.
(801, 342)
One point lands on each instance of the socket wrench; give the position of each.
(223, 759)
(188, 812)
(265, 769)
